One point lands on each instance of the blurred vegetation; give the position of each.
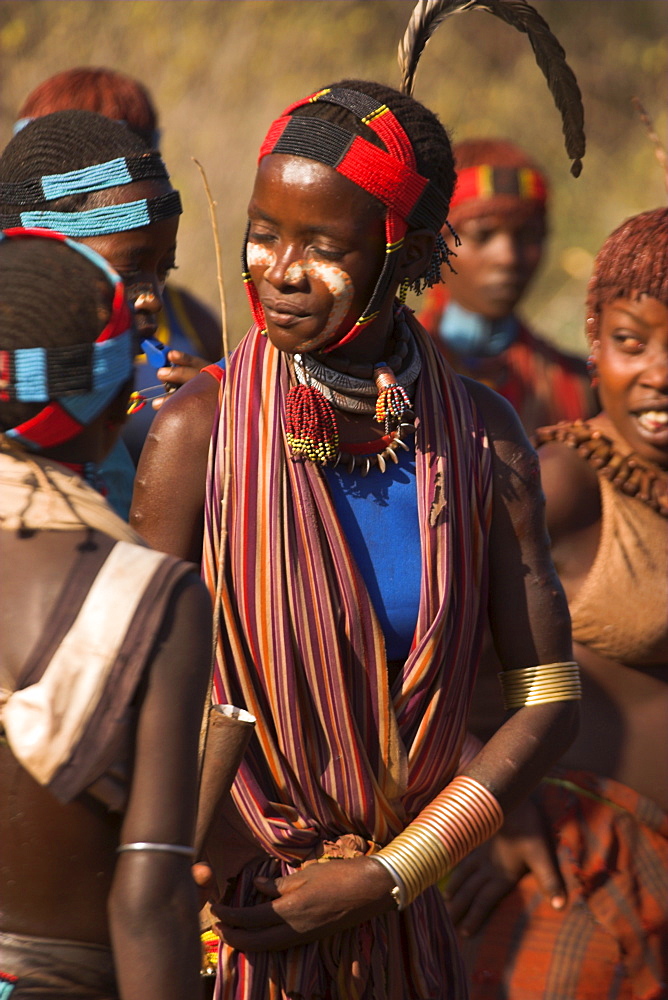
(221, 70)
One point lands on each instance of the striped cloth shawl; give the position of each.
(337, 751)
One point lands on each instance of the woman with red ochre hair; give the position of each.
(606, 488)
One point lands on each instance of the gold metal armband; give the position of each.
(541, 684)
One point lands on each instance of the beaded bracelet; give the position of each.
(540, 685)
(462, 817)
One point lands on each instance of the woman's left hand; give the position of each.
(314, 903)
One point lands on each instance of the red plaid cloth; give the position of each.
(611, 941)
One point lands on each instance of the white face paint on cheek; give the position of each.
(259, 256)
(339, 286)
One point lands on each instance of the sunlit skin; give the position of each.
(143, 257)
(625, 706)
(498, 257)
(631, 356)
(302, 212)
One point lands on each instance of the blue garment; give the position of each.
(117, 473)
(471, 335)
(378, 514)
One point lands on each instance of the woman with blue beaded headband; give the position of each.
(364, 509)
(97, 660)
(94, 180)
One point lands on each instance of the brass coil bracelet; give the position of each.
(540, 685)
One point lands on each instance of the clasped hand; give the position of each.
(313, 903)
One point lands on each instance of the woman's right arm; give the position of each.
(168, 500)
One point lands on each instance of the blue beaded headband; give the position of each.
(114, 173)
(76, 382)
(99, 221)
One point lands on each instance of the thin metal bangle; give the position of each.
(398, 892)
(145, 845)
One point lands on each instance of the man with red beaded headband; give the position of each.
(364, 509)
(499, 213)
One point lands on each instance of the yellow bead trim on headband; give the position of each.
(541, 684)
(383, 109)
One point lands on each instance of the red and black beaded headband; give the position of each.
(485, 182)
(390, 176)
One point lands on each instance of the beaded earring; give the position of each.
(441, 255)
(393, 400)
(592, 371)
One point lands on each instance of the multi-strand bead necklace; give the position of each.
(359, 389)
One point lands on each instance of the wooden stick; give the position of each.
(219, 257)
(659, 148)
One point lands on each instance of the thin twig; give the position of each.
(219, 256)
(659, 148)
(222, 541)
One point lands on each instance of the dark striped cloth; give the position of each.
(611, 941)
(337, 751)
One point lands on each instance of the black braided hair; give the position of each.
(63, 141)
(429, 139)
(50, 296)
(632, 262)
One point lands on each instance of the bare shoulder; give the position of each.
(571, 490)
(501, 420)
(168, 499)
(516, 469)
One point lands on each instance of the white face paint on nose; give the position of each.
(295, 272)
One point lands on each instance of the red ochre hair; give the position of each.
(632, 262)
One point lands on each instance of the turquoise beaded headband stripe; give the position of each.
(99, 221)
(38, 374)
(114, 173)
(76, 382)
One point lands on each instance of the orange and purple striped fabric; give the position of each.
(337, 750)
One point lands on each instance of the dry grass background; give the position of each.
(221, 70)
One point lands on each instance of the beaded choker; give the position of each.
(311, 427)
(77, 382)
(630, 473)
(389, 175)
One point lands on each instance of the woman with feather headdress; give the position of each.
(364, 509)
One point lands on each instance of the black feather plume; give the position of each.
(550, 56)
